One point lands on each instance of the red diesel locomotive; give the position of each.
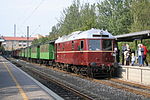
(88, 52)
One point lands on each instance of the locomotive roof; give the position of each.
(89, 34)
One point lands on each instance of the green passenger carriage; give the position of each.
(29, 52)
(23, 53)
(20, 53)
(47, 53)
(26, 52)
(35, 52)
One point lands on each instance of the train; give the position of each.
(89, 52)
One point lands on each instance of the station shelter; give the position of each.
(1, 40)
(133, 37)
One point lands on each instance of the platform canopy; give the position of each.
(133, 36)
(2, 40)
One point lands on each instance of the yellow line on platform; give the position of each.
(17, 84)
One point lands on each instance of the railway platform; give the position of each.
(17, 85)
(135, 74)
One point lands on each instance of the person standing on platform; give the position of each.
(145, 54)
(127, 54)
(140, 55)
(133, 59)
(124, 48)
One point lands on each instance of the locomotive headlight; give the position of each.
(93, 64)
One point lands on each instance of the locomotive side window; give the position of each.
(58, 46)
(94, 45)
(72, 45)
(81, 45)
(107, 45)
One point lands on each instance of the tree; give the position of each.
(140, 10)
(2, 49)
(70, 19)
(88, 17)
(114, 15)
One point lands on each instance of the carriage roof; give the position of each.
(89, 34)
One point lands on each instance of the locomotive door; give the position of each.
(81, 54)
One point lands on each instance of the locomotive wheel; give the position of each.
(112, 72)
(90, 72)
(76, 70)
(83, 71)
(68, 69)
(115, 72)
(58, 66)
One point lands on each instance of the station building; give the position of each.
(13, 43)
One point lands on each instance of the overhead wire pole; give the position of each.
(27, 42)
(14, 36)
(14, 30)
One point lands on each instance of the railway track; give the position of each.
(61, 89)
(140, 90)
(127, 87)
(124, 85)
(57, 83)
(120, 84)
(136, 85)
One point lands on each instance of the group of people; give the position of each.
(129, 58)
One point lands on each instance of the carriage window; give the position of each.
(107, 45)
(44, 48)
(94, 44)
(34, 50)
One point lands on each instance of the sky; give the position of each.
(39, 15)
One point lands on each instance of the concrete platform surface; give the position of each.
(17, 85)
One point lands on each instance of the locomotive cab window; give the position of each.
(94, 45)
(107, 45)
